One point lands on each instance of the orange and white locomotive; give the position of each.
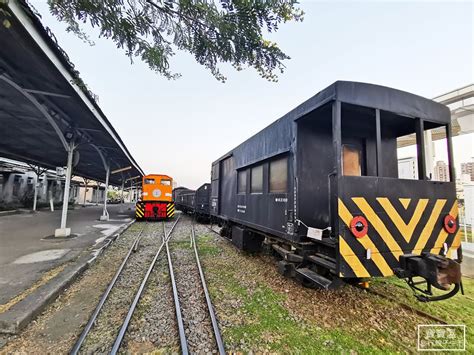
(157, 200)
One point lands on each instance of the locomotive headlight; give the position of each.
(450, 224)
(359, 226)
(145, 193)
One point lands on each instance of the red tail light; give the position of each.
(359, 226)
(450, 224)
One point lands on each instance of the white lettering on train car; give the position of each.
(241, 208)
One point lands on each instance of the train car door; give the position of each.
(227, 187)
(214, 196)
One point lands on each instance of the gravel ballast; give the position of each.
(197, 322)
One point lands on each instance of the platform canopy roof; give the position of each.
(44, 105)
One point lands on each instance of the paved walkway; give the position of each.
(25, 254)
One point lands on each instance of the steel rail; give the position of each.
(131, 310)
(215, 325)
(104, 297)
(137, 244)
(179, 317)
(212, 230)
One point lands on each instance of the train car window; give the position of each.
(351, 161)
(242, 181)
(279, 175)
(405, 145)
(149, 181)
(166, 182)
(256, 179)
(436, 144)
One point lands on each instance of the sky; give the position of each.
(179, 127)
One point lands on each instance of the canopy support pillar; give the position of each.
(86, 184)
(122, 208)
(97, 190)
(121, 192)
(38, 172)
(63, 231)
(105, 213)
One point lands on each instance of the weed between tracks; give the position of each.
(261, 311)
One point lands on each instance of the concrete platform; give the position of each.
(28, 252)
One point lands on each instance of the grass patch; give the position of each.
(268, 326)
(456, 310)
(259, 311)
(206, 246)
(179, 244)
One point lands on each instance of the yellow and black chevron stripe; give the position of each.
(139, 210)
(396, 226)
(170, 210)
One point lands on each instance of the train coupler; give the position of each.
(436, 270)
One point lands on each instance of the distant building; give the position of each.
(408, 168)
(468, 169)
(18, 181)
(92, 193)
(441, 171)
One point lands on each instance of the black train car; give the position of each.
(185, 201)
(194, 202)
(177, 191)
(178, 201)
(201, 202)
(321, 185)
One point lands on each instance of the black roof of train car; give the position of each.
(362, 94)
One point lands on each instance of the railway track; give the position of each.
(198, 330)
(139, 250)
(197, 322)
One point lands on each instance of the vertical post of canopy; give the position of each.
(106, 164)
(86, 183)
(121, 193)
(63, 231)
(35, 196)
(38, 172)
(105, 213)
(378, 142)
(420, 148)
